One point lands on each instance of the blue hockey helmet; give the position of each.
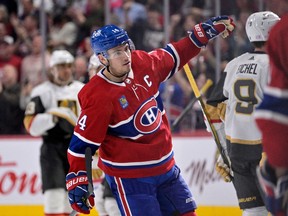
(108, 37)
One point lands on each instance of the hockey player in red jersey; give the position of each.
(105, 202)
(272, 117)
(123, 115)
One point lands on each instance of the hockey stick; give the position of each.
(203, 90)
(206, 114)
(88, 165)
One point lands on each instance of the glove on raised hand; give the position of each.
(203, 32)
(79, 197)
(66, 118)
(223, 169)
(275, 189)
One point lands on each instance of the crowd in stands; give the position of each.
(69, 25)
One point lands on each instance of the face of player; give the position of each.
(119, 61)
(63, 74)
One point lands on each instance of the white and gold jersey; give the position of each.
(246, 76)
(45, 99)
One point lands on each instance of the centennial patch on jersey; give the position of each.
(123, 102)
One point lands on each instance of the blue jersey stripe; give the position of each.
(274, 104)
(169, 49)
(79, 146)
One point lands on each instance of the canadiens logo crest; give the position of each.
(148, 117)
(123, 102)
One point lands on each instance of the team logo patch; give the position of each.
(148, 118)
(123, 102)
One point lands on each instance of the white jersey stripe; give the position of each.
(76, 154)
(138, 163)
(274, 116)
(276, 92)
(86, 140)
(122, 196)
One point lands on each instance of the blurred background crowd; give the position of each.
(31, 29)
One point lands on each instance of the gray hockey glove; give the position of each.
(64, 117)
(222, 168)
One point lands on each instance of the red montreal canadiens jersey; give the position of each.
(272, 114)
(127, 120)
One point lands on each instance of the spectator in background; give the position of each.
(11, 6)
(132, 17)
(241, 43)
(180, 25)
(245, 6)
(116, 4)
(11, 114)
(4, 19)
(197, 114)
(171, 91)
(154, 30)
(7, 55)
(84, 48)
(207, 61)
(26, 30)
(59, 6)
(48, 5)
(63, 33)
(3, 30)
(80, 69)
(32, 76)
(193, 5)
(26, 7)
(130, 13)
(87, 19)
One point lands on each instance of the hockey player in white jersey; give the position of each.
(94, 66)
(233, 101)
(52, 114)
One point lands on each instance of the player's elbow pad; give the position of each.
(41, 123)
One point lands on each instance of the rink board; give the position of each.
(20, 182)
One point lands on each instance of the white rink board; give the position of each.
(196, 159)
(20, 180)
